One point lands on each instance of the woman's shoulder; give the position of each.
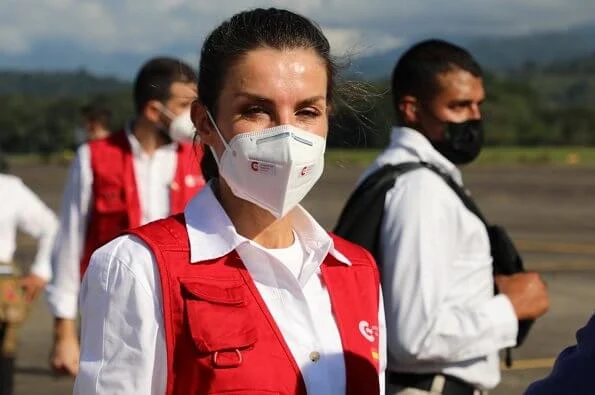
(124, 255)
(354, 253)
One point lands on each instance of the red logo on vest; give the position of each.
(370, 333)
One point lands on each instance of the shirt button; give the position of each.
(314, 356)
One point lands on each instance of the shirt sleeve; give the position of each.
(62, 292)
(122, 337)
(420, 239)
(38, 221)
(573, 371)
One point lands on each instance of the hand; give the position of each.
(64, 359)
(32, 285)
(527, 293)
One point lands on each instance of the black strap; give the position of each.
(361, 217)
(461, 192)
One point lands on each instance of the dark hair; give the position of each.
(154, 80)
(417, 70)
(246, 31)
(97, 111)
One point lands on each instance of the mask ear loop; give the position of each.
(165, 111)
(220, 137)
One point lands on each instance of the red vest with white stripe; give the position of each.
(220, 336)
(115, 205)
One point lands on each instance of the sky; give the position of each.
(357, 27)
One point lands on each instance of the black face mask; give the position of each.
(462, 141)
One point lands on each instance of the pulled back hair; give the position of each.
(246, 31)
(416, 73)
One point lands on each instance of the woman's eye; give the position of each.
(309, 112)
(253, 110)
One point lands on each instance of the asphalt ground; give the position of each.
(548, 210)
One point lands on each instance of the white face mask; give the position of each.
(273, 168)
(181, 128)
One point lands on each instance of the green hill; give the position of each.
(57, 83)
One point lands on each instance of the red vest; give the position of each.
(115, 204)
(220, 336)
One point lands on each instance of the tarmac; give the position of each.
(548, 210)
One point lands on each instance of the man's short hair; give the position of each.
(97, 111)
(154, 80)
(416, 73)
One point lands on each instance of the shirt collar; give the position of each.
(212, 235)
(420, 146)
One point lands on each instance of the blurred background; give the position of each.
(536, 177)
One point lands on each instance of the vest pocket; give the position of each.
(218, 318)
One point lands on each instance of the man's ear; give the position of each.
(409, 110)
(202, 123)
(152, 111)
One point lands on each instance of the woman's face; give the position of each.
(269, 87)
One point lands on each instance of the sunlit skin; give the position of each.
(459, 98)
(265, 88)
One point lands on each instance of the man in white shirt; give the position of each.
(20, 210)
(444, 324)
(141, 174)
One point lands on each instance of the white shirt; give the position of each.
(442, 315)
(123, 348)
(21, 209)
(153, 175)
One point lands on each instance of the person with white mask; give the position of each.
(243, 293)
(140, 174)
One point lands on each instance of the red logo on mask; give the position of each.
(254, 166)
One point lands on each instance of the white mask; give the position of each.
(181, 128)
(273, 168)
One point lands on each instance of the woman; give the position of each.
(244, 293)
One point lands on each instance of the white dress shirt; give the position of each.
(442, 315)
(153, 175)
(123, 347)
(21, 209)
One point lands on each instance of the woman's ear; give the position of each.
(202, 123)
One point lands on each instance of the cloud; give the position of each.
(357, 42)
(354, 26)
